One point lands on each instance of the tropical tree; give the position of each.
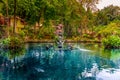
(73, 14)
(5, 3)
(89, 4)
(108, 14)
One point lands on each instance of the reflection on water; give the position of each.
(38, 62)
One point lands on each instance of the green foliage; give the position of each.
(12, 42)
(108, 14)
(15, 41)
(68, 12)
(110, 29)
(22, 34)
(46, 32)
(32, 10)
(77, 16)
(6, 41)
(111, 42)
(86, 35)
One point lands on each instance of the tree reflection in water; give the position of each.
(35, 62)
(10, 61)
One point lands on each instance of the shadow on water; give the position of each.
(38, 62)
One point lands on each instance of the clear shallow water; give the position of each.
(36, 62)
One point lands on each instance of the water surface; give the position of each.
(83, 62)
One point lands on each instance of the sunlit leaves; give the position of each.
(111, 42)
(110, 29)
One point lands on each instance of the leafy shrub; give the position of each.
(12, 42)
(86, 36)
(5, 41)
(111, 42)
(46, 32)
(22, 34)
(15, 41)
(108, 30)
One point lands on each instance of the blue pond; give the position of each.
(37, 62)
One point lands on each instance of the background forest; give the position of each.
(81, 19)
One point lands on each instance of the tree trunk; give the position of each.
(7, 18)
(14, 27)
(6, 8)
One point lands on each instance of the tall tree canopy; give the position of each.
(73, 14)
(108, 14)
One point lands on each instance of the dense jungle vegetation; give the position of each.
(81, 19)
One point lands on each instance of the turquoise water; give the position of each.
(83, 62)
